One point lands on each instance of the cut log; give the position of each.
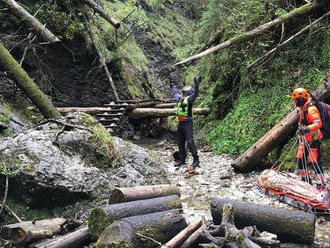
(101, 217)
(76, 239)
(183, 235)
(31, 21)
(252, 158)
(293, 226)
(256, 32)
(27, 231)
(128, 232)
(165, 105)
(102, 13)
(26, 84)
(91, 110)
(119, 195)
(155, 112)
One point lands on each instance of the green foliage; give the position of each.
(248, 121)
(105, 147)
(245, 104)
(62, 17)
(7, 170)
(4, 122)
(97, 222)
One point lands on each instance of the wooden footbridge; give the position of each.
(111, 114)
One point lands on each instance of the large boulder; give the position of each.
(56, 165)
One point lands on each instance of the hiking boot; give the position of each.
(178, 163)
(195, 163)
(190, 170)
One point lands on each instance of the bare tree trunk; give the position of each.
(76, 239)
(24, 82)
(24, 232)
(142, 192)
(102, 62)
(252, 158)
(109, 213)
(154, 112)
(183, 235)
(255, 32)
(288, 40)
(143, 230)
(293, 226)
(39, 29)
(102, 13)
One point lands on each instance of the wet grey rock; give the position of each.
(57, 173)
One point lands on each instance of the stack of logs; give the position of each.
(149, 216)
(111, 116)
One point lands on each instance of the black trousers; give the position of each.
(185, 134)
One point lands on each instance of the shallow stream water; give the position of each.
(216, 178)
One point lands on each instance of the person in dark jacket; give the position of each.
(183, 111)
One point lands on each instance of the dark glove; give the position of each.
(303, 130)
(171, 83)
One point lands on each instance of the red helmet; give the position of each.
(299, 93)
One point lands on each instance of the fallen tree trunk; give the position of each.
(91, 110)
(76, 239)
(288, 40)
(252, 158)
(119, 195)
(255, 32)
(293, 226)
(101, 217)
(31, 21)
(26, 84)
(102, 62)
(27, 231)
(183, 235)
(142, 231)
(102, 13)
(165, 105)
(155, 112)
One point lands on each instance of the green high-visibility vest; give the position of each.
(181, 108)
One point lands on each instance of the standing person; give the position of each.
(183, 111)
(310, 136)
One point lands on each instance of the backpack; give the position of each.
(324, 110)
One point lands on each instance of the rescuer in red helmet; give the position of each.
(310, 136)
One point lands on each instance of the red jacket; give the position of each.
(312, 119)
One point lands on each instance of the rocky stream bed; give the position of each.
(216, 178)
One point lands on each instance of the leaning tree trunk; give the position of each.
(251, 159)
(142, 230)
(101, 217)
(102, 13)
(24, 232)
(25, 83)
(255, 32)
(31, 21)
(128, 194)
(288, 225)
